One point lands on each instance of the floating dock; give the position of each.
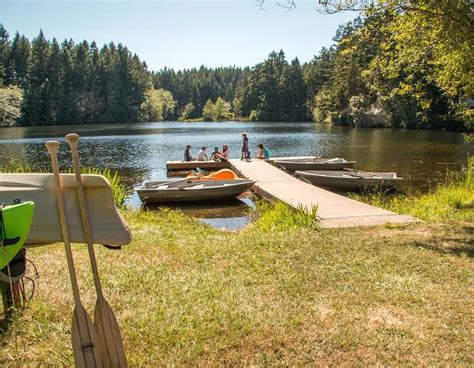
(333, 210)
(192, 165)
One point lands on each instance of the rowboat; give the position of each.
(315, 164)
(187, 190)
(106, 223)
(350, 179)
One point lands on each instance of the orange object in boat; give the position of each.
(224, 174)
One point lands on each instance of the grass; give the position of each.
(282, 292)
(449, 201)
(186, 294)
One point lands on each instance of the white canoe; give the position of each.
(107, 225)
(350, 179)
(315, 164)
(191, 190)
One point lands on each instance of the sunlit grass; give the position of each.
(452, 200)
(282, 292)
(278, 216)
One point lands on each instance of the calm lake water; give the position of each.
(140, 151)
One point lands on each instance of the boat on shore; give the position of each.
(106, 223)
(315, 164)
(350, 179)
(191, 190)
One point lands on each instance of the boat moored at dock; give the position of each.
(350, 179)
(191, 190)
(316, 163)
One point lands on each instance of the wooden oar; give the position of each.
(110, 339)
(85, 344)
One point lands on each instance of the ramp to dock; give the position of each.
(334, 210)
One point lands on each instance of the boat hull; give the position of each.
(106, 223)
(192, 191)
(350, 180)
(317, 164)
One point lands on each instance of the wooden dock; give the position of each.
(192, 165)
(334, 210)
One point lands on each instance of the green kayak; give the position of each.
(15, 222)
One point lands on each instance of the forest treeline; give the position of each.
(393, 66)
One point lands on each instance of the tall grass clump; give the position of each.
(120, 191)
(452, 200)
(278, 216)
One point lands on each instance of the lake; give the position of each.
(140, 151)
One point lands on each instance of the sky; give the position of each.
(181, 33)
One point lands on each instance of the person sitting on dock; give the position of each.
(202, 155)
(215, 154)
(263, 152)
(224, 155)
(187, 154)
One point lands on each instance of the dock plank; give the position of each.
(334, 210)
(191, 165)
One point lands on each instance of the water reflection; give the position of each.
(231, 214)
(140, 151)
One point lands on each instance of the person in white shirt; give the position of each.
(202, 155)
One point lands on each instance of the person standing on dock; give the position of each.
(187, 154)
(202, 155)
(245, 147)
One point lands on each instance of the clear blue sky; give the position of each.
(181, 33)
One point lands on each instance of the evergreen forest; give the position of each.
(399, 64)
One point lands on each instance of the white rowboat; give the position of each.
(191, 190)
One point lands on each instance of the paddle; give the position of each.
(84, 336)
(110, 339)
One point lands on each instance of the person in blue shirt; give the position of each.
(263, 152)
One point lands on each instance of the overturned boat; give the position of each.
(191, 190)
(350, 179)
(315, 164)
(106, 223)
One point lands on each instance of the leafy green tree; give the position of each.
(158, 105)
(208, 111)
(10, 105)
(222, 110)
(187, 111)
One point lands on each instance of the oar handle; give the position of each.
(52, 147)
(72, 139)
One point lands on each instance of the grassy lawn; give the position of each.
(283, 294)
(186, 294)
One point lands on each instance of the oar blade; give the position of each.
(85, 343)
(110, 338)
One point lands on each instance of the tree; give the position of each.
(187, 111)
(157, 106)
(4, 53)
(10, 105)
(208, 111)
